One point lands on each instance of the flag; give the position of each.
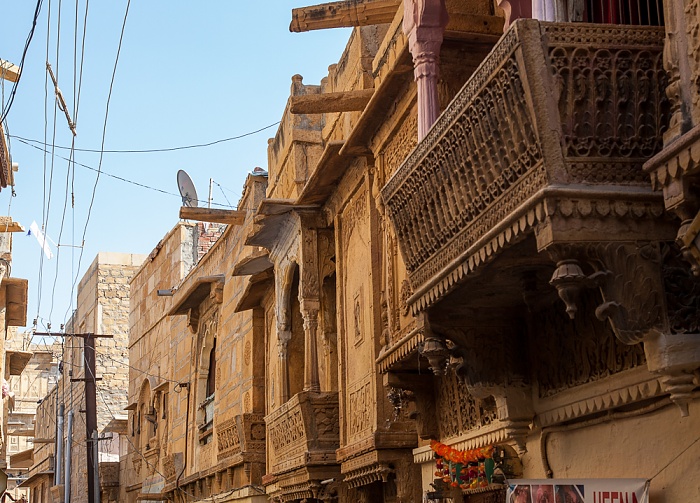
(34, 230)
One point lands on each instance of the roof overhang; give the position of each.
(15, 301)
(253, 264)
(118, 424)
(23, 459)
(196, 293)
(16, 360)
(270, 219)
(258, 286)
(28, 482)
(324, 179)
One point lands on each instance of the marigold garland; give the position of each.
(470, 469)
(463, 457)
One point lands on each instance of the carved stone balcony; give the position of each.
(549, 137)
(303, 432)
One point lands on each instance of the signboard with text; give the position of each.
(578, 491)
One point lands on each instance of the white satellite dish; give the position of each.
(187, 190)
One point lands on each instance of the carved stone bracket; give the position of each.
(421, 392)
(649, 296)
(630, 282)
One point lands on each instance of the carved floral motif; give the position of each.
(360, 410)
(460, 412)
(579, 351)
(228, 439)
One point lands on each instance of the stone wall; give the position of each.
(103, 309)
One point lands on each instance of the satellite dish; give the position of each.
(187, 190)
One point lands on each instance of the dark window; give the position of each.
(211, 377)
(633, 12)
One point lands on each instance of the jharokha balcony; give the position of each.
(549, 136)
(303, 435)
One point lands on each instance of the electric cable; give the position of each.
(151, 150)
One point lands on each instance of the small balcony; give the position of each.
(303, 432)
(549, 137)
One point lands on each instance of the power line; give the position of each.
(151, 150)
(120, 178)
(13, 92)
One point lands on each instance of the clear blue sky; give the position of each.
(188, 73)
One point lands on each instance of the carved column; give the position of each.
(309, 300)
(424, 24)
(311, 380)
(283, 337)
(678, 66)
(284, 328)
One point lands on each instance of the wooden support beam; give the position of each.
(232, 217)
(346, 101)
(9, 71)
(343, 14)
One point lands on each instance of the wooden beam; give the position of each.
(233, 217)
(346, 101)
(9, 71)
(343, 14)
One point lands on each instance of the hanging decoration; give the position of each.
(470, 469)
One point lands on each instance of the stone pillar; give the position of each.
(678, 66)
(309, 300)
(283, 337)
(311, 380)
(424, 24)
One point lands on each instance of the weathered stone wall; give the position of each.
(102, 308)
(170, 355)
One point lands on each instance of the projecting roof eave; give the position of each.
(118, 424)
(23, 459)
(256, 289)
(270, 217)
(329, 170)
(195, 294)
(257, 262)
(35, 476)
(17, 360)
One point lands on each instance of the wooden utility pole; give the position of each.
(91, 433)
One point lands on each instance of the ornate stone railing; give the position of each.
(240, 435)
(303, 432)
(553, 105)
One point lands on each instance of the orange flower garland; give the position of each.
(463, 457)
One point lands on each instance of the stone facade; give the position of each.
(195, 425)
(102, 309)
(29, 389)
(477, 235)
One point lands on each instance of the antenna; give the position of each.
(187, 190)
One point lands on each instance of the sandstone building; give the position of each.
(28, 388)
(13, 299)
(475, 240)
(102, 309)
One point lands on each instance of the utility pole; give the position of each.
(91, 417)
(91, 434)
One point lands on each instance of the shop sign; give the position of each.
(578, 491)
